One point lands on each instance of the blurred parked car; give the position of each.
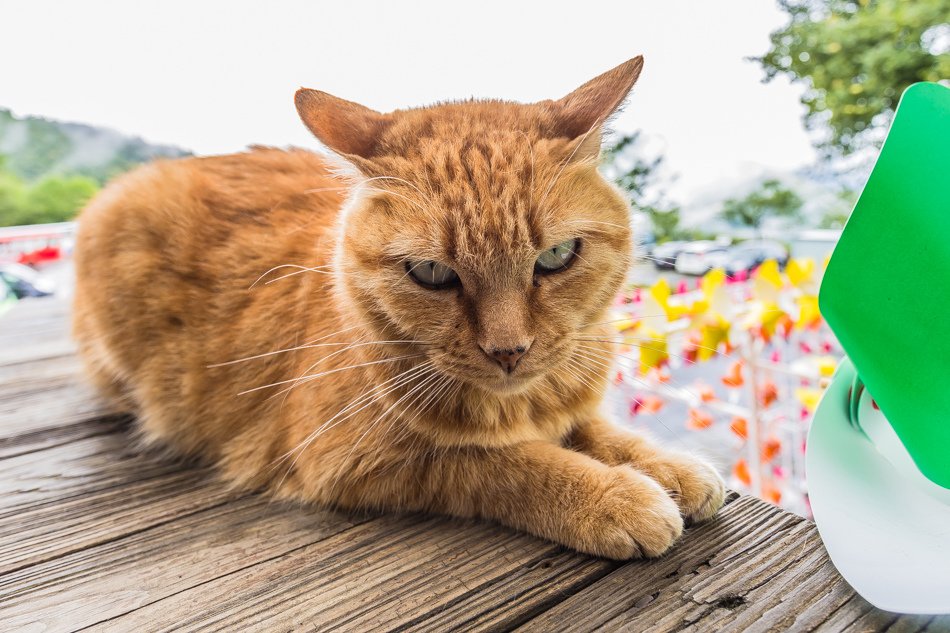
(664, 255)
(698, 258)
(749, 255)
(26, 282)
(7, 298)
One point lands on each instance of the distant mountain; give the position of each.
(35, 147)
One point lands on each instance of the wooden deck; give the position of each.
(95, 535)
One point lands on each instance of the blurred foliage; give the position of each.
(856, 58)
(638, 176)
(38, 147)
(50, 169)
(666, 223)
(770, 199)
(837, 216)
(50, 199)
(44, 145)
(834, 220)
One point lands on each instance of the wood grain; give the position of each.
(114, 578)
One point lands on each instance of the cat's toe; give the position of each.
(632, 518)
(698, 489)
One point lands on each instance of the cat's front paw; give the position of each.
(629, 516)
(694, 484)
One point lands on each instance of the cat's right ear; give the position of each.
(345, 127)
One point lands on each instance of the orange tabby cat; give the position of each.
(422, 330)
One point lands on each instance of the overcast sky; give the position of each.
(215, 76)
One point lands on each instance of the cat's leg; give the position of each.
(541, 488)
(694, 484)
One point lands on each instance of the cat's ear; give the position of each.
(345, 127)
(582, 113)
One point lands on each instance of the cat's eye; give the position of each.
(557, 257)
(432, 275)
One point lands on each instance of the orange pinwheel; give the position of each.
(647, 405)
(771, 448)
(768, 393)
(733, 377)
(771, 494)
(739, 426)
(741, 472)
(698, 420)
(705, 392)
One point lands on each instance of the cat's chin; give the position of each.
(511, 385)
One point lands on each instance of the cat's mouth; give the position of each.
(506, 384)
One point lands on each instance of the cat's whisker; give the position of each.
(419, 389)
(307, 379)
(327, 270)
(416, 390)
(650, 258)
(606, 363)
(608, 359)
(567, 162)
(442, 392)
(653, 349)
(310, 377)
(577, 255)
(332, 334)
(404, 181)
(325, 189)
(574, 367)
(632, 316)
(611, 224)
(626, 341)
(369, 397)
(316, 345)
(318, 362)
(256, 281)
(390, 192)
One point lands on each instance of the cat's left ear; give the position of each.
(582, 113)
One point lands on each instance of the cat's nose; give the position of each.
(508, 358)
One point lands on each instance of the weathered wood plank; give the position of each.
(42, 390)
(109, 580)
(69, 497)
(372, 577)
(74, 523)
(73, 470)
(754, 568)
(516, 597)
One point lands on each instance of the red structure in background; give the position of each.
(37, 243)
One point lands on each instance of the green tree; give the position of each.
(855, 58)
(770, 199)
(56, 199)
(638, 176)
(666, 223)
(837, 216)
(12, 195)
(51, 199)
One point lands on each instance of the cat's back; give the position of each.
(165, 256)
(264, 186)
